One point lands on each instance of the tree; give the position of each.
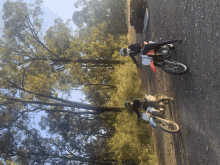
(95, 11)
(33, 69)
(66, 127)
(40, 67)
(97, 43)
(64, 103)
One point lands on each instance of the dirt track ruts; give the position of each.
(196, 94)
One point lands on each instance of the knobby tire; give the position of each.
(186, 69)
(177, 128)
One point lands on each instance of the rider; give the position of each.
(135, 49)
(148, 101)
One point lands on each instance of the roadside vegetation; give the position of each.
(35, 70)
(132, 142)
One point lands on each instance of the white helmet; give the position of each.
(125, 51)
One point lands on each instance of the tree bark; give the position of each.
(65, 104)
(84, 61)
(69, 103)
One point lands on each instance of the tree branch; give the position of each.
(36, 37)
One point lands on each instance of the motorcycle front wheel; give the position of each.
(169, 126)
(173, 67)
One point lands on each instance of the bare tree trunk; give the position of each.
(83, 61)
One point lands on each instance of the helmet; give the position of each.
(128, 104)
(125, 51)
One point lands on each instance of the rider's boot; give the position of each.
(171, 99)
(178, 40)
(161, 107)
(162, 115)
(156, 112)
(175, 40)
(171, 46)
(151, 42)
(170, 42)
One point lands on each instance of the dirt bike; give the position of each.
(157, 117)
(161, 59)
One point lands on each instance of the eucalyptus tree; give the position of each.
(93, 12)
(33, 69)
(30, 64)
(67, 142)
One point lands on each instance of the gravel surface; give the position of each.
(197, 93)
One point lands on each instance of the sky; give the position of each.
(52, 10)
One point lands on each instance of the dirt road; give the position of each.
(196, 94)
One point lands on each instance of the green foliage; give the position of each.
(25, 58)
(97, 44)
(131, 142)
(58, 38)
(128, 83)
(12, 163)
(29, 65)
(33, 65)
(94, 12)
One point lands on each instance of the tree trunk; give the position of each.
(84, 61)
(66, 104)
(69, 103)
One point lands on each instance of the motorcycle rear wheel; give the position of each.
(169, 126)
(175, 68)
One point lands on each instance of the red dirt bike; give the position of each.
(161, 59)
